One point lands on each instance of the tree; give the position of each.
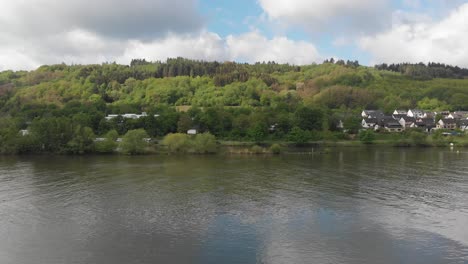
(109, 144)
(258, 132)
(419, 138)
(308, 118)
(82, 141)
(185, 123)
(134, 142)
(298, 136)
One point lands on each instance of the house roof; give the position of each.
(463, 122)
(399, 116)
(401, 112)
(425, 121)
(374, 113)
(409, 119)
(371, 120)
(448, 121)
(392, 124)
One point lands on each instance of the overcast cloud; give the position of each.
(422, 41)
(36, 32)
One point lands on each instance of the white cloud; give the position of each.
(36, 32)
(249, 47)
(253, 47)
(205, 46)
(118, 19)
(318, 15)
(424, 41)
(83, 47)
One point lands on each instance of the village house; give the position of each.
(407, 122)
(192, 132)
(392, 126)
(372, 114)
(369, 123)
(426, 124)
(400, 112)
(398, 116)
(463, 125)
(129, 116)
(447, 123)
(416, 113)
(458, 115)
(24, 132)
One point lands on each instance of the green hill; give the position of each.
(232, 101)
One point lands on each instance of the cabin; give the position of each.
(447, 123)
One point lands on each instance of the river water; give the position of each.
(354, 205)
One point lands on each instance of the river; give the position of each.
(352, 205)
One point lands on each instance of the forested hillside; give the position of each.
(59, 103)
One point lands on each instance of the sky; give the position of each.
(38, 32)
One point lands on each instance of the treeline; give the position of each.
(73, 128)
(426, 72)
(248, 102)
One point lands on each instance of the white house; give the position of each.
(24, 132)
(192, 132)
(369, 122)
(447, 123)
(416, 113)
(372, 114)
(407, 121)
(400, 112)
(129, 116)
(463, 125)
(458, 115)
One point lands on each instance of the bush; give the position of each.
(256, 150)
(177, 142)
(367, 136)
(82, 141)
(203, 144)
(108, 145)
(298, 136)
(275, 149)
(133, 142)
(418, 138)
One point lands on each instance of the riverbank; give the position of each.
(203, 144)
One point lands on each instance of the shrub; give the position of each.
(298, 136)
(203, 144)
(418, 138)
(108, 145)
(133, 142)
(275, 149)
(256, 150)
(177, 142)
(367, 136)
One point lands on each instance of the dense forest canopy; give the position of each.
(230, 100)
